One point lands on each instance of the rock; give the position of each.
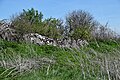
(42, 40)
(38, 39)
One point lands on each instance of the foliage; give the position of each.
(82, 64)
(53, 28)
(28, 21)
(31, 21)
(92, 62)
(70, 64)
(81, 21)
(81, 33)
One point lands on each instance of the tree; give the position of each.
(81, 21)
(80, 33)
(28, 21)
(53, 28)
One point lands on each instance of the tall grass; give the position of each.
(20, 61)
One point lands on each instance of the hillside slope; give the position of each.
(97, 61)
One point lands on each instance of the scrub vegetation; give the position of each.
(99, 60)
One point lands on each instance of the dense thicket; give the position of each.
(31, 21)
(79, 24)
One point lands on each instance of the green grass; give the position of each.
(88, 63)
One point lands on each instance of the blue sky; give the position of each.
(103, 10)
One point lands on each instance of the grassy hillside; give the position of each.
(97, 61)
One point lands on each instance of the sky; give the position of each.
(102, 10)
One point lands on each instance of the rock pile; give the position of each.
(42, 40)
(38, 39)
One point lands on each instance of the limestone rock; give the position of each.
(42, 40)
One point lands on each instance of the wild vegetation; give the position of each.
(99, 60)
